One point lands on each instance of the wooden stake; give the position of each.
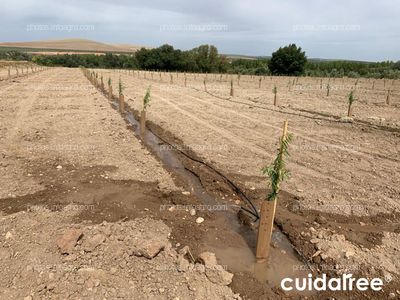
(350, 110)
(267, 214)
(285, 129)
(143, 122)
(388, 98)
(121, 103)
(231, 88)
(267, 217)
(259, 83)
(110, 92)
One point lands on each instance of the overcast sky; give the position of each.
(346, 29)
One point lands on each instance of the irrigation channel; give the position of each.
(240, 258)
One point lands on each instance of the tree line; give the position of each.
(204, 59)
(288, 60)
(353, 69)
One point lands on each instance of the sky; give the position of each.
(337, 29)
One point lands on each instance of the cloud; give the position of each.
(351, 29)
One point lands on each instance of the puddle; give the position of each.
(171, 161)
(283, 260)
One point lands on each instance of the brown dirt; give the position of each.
(104, 262)
(79, 153)
(294, 222)
(226, 129)
(108, 175)
(323, 146)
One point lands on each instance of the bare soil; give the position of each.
(340, 171)
(69, 160)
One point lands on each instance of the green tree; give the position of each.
(289, 60)
(206, 59)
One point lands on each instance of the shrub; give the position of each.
(289, 60)
(277, 172)
(146, 99)
(121, 87)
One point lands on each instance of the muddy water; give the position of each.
(240, 257)
(171, 161)
(282, 262)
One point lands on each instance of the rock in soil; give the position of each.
(207, 259)
(110, 270)
(218, 275)
(68, 240)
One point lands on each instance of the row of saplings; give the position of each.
(94, 79)
(350, 97)
(276, 173)
(24, 70)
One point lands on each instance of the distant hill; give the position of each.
(310, 59)
(71, 45)
(239, 56)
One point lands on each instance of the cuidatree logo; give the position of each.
(344, 283)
